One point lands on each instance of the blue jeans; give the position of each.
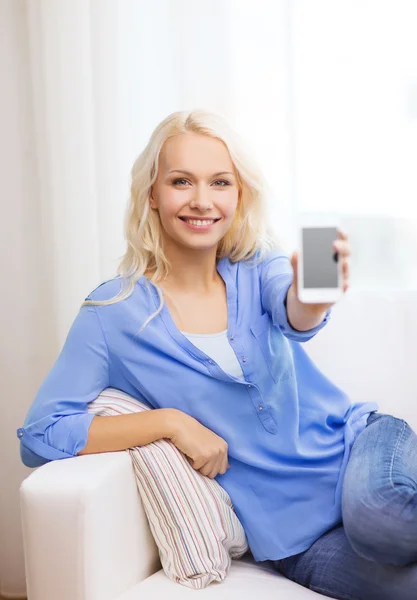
(372, 553)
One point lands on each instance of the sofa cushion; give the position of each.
(191, 516)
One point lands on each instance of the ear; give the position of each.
(152, 202)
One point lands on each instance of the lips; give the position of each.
(199, 219)
(203, 227)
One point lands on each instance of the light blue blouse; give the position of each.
(289, 429)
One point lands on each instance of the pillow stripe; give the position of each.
(191, 517)
(182, 501)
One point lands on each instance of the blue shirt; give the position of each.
(289, 429)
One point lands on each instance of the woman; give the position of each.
(203, 324)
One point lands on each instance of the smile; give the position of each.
(202, 224)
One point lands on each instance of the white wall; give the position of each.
(27, 345)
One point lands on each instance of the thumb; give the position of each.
(294, 260)
(294, 264)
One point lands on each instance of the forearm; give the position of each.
(302, 317)
(119, 432)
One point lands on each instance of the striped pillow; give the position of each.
(191, 516)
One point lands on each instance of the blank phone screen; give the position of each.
(320, 266)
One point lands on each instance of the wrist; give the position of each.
(302, 316)
(173, 421)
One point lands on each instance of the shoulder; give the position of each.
(128, 310)
(116, 285)
(106, 290)
(264, 257)
(127, 304)
(273, 254)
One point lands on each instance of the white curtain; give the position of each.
(324, 92)
(327, 91)
(325, 102)
(104, 74)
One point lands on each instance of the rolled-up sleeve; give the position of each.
(277, 275)
(57, 423)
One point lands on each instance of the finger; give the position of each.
(225, 465)
(346, 269)
(213, 467)
(341, 234)
(294, 264)
(222, 465)
(342, 247)
(205, 470)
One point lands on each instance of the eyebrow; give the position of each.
(191, 175)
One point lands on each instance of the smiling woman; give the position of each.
(200, 201)
(219, 351)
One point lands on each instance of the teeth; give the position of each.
(198, 222)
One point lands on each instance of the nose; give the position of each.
(201, 201)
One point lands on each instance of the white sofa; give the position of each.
(85, 533)
(86, 537)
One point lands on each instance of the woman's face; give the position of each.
(207, 190)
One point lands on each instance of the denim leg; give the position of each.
(380, 511)
(374, 416)
(331, 567)
(379, 495)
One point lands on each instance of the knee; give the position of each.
(383, 530)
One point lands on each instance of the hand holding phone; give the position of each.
(321, 267)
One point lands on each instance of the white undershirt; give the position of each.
(218, 347)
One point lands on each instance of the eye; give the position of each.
(218, 181)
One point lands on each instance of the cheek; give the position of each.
(230, 205)
(170, 204)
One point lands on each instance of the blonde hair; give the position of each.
(248, 234)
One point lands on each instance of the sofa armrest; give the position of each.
(85, 532)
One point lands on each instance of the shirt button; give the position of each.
(211, 362)
(20, 434)
(249, 386)
(260, 407)
(232, 337)
(244, 359)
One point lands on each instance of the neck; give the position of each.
(191, 270)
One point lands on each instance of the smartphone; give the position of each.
(319, 267)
